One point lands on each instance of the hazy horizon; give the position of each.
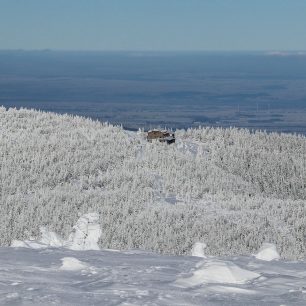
(268, 51)
(174, 89)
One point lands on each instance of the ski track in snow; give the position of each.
(58, 276)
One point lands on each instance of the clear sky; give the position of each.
(153, 24)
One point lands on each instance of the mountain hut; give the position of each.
(161, 136)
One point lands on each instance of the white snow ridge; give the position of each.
(72, 264)
(268, 252)
(30, 244)
(198, 249)
(217, 271)
(85, 234)
(50, 238)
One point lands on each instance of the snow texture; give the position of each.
(268, 252)
(72, 264)
(85, 236)
(50, 238)
(215, 271)
(31, 244)
(198, 249)
(86, 233)
(58, 276)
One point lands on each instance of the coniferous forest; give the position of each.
(233, 189)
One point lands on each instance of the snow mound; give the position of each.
(198, 249)
(85, 234)
(268, 252)
(50, 238)
(72, 264)
(30, 244)
(218, 272)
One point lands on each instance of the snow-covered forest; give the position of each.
(232, 189)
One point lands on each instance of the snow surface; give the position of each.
(85, 234)
(72, 264)
(50, 238)
(198, 249)
(268, 252)
(59, 276)
(216, 271)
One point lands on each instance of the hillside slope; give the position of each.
(229, 188)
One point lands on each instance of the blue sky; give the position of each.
(153, 24)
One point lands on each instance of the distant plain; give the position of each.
(161, 89)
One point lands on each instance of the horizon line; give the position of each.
(153, 51)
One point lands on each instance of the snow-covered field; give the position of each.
(52, 271)
(75, 272)
(57, 276)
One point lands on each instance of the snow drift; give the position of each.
(72, 264)
(198, 249)
(217, 271)
(85, 236)
(268, 252)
